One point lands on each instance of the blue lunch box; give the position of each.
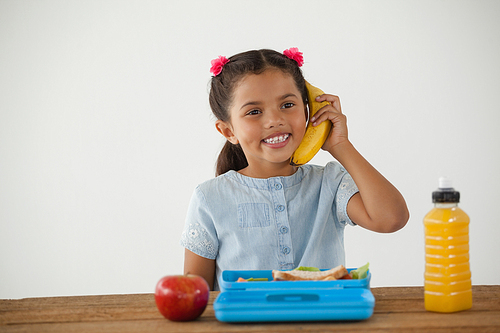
(261, 301)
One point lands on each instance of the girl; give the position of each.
(260, 212)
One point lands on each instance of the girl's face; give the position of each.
(268, 120)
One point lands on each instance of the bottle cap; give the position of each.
(445, 192)
(445, 183)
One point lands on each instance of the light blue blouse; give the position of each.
(275, 223)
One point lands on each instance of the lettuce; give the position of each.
(361, 272)
(305, 268)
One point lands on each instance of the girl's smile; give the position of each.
(268, 120)
(277, 140)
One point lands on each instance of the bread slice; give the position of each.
(332, 274)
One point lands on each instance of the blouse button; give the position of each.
(286, 250)
(283, 230)
(280, 208)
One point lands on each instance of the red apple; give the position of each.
(182, 297)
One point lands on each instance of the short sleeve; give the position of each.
(199, 235)
(347, 188)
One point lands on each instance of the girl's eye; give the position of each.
(252, 112)
(287, 105)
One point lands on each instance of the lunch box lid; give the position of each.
(229, 277)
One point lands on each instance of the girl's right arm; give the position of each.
(198, 265)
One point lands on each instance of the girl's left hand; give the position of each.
(333, 113)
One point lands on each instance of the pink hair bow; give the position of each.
(218, 64)
(294, 54)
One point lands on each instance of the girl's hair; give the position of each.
(231, 156)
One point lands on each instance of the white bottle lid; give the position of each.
(445, 183)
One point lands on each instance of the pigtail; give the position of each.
(231, 157)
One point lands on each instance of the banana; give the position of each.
(315, 136)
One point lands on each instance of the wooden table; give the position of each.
(397, 309)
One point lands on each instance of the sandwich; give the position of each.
(299, 275)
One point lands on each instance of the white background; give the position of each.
(105, 127)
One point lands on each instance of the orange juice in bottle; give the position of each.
(447, 272)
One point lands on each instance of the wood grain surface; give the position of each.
(397, 309)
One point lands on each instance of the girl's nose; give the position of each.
(275, 119)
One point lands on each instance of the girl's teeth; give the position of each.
(277, 139)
